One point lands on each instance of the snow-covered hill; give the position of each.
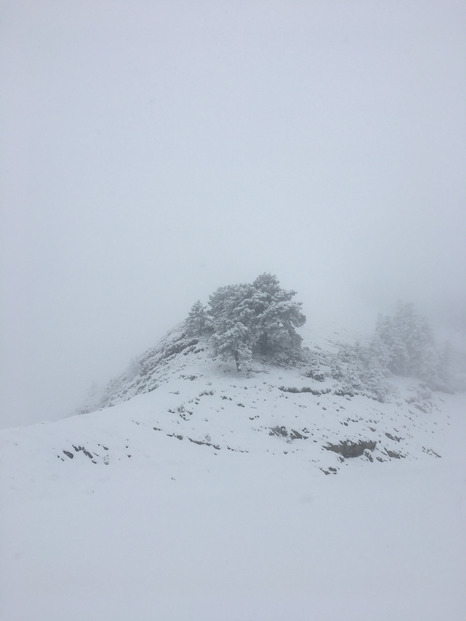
(178, 389)
(191, 491)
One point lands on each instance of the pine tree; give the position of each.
(233, 343)
(197, 323)
(255, 319)
(404, 344)
(276, 317)
(230, 320)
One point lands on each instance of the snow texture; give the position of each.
(197, 492)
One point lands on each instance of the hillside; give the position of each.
(187, 490)
(198, 398)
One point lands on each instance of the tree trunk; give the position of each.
(263, 344)
(238, 368)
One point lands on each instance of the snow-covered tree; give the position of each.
(255, 319)
(276, 317)
(233, 342)
(388, 346)
(198, 321)
(404, 344)
(230, 322)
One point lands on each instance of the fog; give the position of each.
(153, 151)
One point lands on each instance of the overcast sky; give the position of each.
(155, 150)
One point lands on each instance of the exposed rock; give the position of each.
(278, 431)
(295, 435)
(352, 449)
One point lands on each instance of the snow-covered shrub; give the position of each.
(315, 371)
(357, 371)
(404, 345)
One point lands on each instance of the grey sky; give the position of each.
(153, 151)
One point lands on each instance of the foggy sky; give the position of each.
(155, 150)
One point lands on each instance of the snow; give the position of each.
(245, 526)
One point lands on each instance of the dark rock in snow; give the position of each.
(278, 431)
(351, 449)
(295, 435)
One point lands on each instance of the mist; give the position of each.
(154, 151)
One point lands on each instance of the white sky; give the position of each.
(155, 150)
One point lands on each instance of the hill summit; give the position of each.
(237, 376)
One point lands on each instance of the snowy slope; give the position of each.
(196, 492)
(181, 392)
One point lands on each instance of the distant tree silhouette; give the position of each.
(198, 321)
